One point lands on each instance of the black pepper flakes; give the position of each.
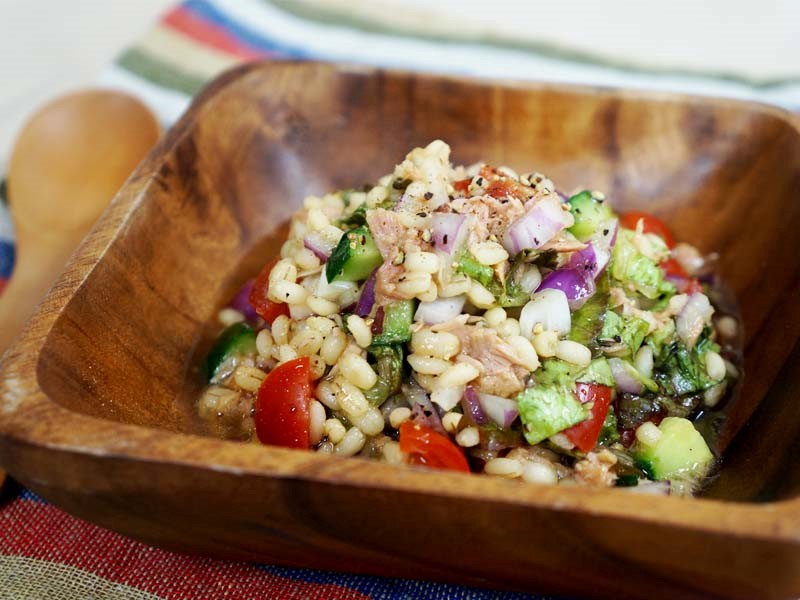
(428, 195)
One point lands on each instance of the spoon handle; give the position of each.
(34, 273)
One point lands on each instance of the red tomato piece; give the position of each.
(584, 435)
(428, 447)
(462, 185)
(650, 224)
(672, 268)
(282, 417)
(259, 298)
(685, 284)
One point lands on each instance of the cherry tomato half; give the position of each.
(282, 417)
(584, 435)
(685, 284)
(259, 298)
(650, 224)
(428, 447)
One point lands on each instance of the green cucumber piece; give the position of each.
(589, 212)
(355, 257)
(397, 319)
(239, 338)
(680, 453)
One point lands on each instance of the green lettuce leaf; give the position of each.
(631, 267)
(627, 330)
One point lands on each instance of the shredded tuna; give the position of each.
(387, 231)
(493, 215)
(502, 373)
(596, 469)
(386, 283)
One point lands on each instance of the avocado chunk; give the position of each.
(680, 452)
(589, 212)
(355, 257)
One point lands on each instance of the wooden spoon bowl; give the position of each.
(96, 396)
(67, 163)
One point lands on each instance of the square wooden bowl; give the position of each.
(96, 396)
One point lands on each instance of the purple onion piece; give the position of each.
(585, 261)
(575, 284)
(422, 409)
(449, 231)
(321, 248)
(502, 411)
(594, 258)
(472, 406)
(241, 301)
(540, 223)
(624, 377)
(367, 298)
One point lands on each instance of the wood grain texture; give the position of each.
(96, 395)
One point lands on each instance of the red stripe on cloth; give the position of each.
(183, 20)
(41, 531)
(3, 283)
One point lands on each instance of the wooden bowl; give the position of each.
(96, 406)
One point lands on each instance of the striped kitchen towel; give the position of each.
(201, 38)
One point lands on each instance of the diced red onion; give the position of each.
(449, 231)
(625, 376)
(594, 258)
(321, 246)
(500, 410)
(694, 316)
(367, 298)
(422, 409)
(549, 307)
(472, 406)
(540, 223)
(440, 310)
(241, 301)
(577, 285)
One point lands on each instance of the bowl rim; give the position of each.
(22, 401)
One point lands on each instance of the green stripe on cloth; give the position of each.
(159, 72)
(328, 13)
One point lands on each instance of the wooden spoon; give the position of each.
(70, 159)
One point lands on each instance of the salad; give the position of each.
(475, 319)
